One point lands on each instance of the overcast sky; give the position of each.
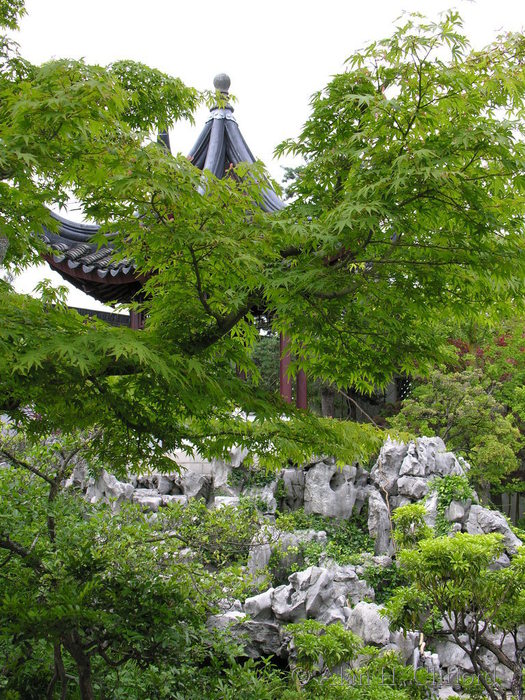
(277, 53)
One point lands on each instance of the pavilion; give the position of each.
(93, 269)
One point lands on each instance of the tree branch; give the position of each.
(17, 462)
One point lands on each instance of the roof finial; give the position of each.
(222, 83)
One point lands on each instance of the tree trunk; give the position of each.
(327, 401)
(83, 663)
(58, 674)
(516, 687)
(84, 679)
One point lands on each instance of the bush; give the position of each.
(409, 525)
(346, 539)
(221, 536)
(449, 488)
(461, 408)
(384, 581)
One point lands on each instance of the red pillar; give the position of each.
(136, 320)
(301, 396)
(285, 385)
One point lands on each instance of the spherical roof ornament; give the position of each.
(222, 83)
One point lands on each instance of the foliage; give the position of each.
(112, 597)
(408, 210)
(266, 358)
(413, 163)
(454, 587)
(379, 676)
(397, 220)
(257, 680)
(246, 477)
(452, 487)
(384, 580)
(336, 688)
(84, 582)
(410, 526)
(460, 408)
(345, 538)
(319, 648)
(499, 353)
(220, 536)
(70, 129)
(394, 673)
(10, 12)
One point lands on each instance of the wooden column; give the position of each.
(301, 395)
(136, 320)
(285, 385)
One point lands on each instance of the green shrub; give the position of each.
(220, 536)
(346, 539)
(319, 648)
(384, 581)
(409, 525)
(453, 487)
(243, 476)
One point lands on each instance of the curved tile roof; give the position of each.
(91, 269)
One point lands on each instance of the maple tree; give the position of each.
(408, 210)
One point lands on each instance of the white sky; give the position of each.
(277, 53)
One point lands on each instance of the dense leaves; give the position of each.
(412, 183)
(462, 407)
(408, 209)
(457, 593)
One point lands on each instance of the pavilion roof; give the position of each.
(92, 269)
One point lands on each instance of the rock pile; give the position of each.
(330, 593)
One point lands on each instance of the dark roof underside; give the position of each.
(92, 270)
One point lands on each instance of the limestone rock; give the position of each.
(431, 510)
(147, 501)
(287, 605)
(347, 584)
(317, 584)
(452, 656)
(194, 485)
(259, 607)
(79, 476)
(310, 594)
(482, 521)
(379, 522)
(289, 545)
(414, 487)
(293, 480)
(457, 511)
(405, 644)
(262, 638)
(220, 471)
(385, 472)
(330, 491)
(500, 563)
(237, 456)
(224, 621)
(399, 467)
(264, 494)
(334, 613)
(161, 483)
(108, 488)
(366, 621)
(221, 501)
(180, 499)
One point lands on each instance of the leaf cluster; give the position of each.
(462, 408)
(408, 189)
